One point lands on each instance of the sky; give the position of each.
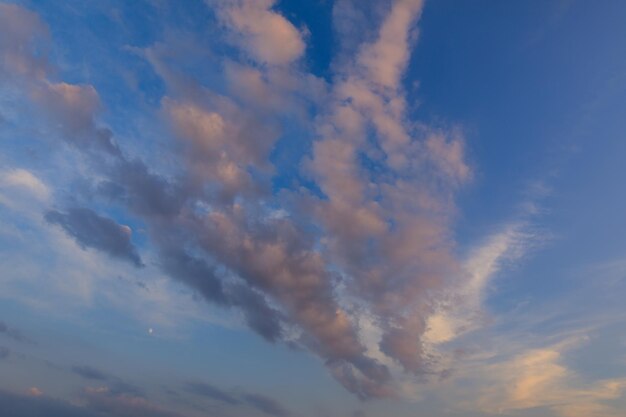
(320, 208)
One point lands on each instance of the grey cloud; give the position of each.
(143, 191)
(365, 380)
(88, 372)
(209, 391)
(194, 272)
(199, 275)
(15, 405)
(91, 230)
(261, 318)
(119, 387)
(14, 334)
(111, 404)
(258, 402)
(115, 385)
(266, 405)
(97, 402)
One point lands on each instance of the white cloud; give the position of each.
(539, 378)
(461, 309)
(22, 179)
(264, 33)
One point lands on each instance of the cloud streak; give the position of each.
(538, 378)
(261, 403)
(14, 334)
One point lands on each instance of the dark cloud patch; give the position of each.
(265, 405)
(194, 272)
(4, 352)
(261, 318)
(90, 230)
(145, 192)
(14, 334)
(120, 387)
(88, 372)
(198, 274)
(209, 391)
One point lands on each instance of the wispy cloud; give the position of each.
(14, 334)
(538, 378)
(262, 403)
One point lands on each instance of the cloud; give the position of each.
(460, 310)
(94, 402)
(14, 334)
(90, 230)
(205, 390)
(73, 106)
(263, 33)
(538, 378)
(221, 147)
(266, 405)
(258, 402)
(23, 179)
(114, 385)
(28, 406)
(389, 189)
(73, 109)
(387, 234)
(35, 392)
(373, 241)
(143, 191)
(70, 107)
(23, 38)
(88, 372)
(107, 402)
(385, 59)
(201, 276)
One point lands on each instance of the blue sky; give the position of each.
(312, 208)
